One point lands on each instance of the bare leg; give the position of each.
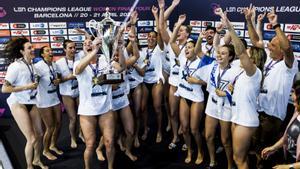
(226, 141)
(88, 125)
(157, 94)
(99, 152)
(145, 111)
(137, 97)
(174, 106)
(166, 87)
(210, 132)
(57, 115)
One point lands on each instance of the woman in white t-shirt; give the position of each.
(153, 82)
(48, 102)
(95, 106)
(245, 88)
(21, 81)
(68, 88)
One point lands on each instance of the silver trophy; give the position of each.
(107, 29)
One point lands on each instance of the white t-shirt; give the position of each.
(18, 74)
(276, 88)
(166, 59)
(47, 91)
(174, 67)
(187, 90)
(65, 68)
(94, 100)
(246, 90)
(154, 68)
(134, 78)
(208, 50)
(217, 107)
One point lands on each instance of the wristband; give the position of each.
(276, 26)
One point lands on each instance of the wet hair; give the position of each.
(13, 47)
(42, 51)
(259, 55)
(153, 32)
(66, 42)
(231, 51)
(211, 28)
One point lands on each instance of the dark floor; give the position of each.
(151, 155)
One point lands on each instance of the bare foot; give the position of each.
(120, 143)
(49, 156)
(145, 135)
(136, 142)
(199, 159)
(100, 155)
(130, 155)
(180, 130)
(39, 164)
(56, 150)
(158, 137)
(188, 159)
(73, 144)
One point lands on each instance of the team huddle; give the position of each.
(248, 88)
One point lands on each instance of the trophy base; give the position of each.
(111, 78)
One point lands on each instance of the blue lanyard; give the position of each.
(30, 68)
(70, 68)
(269, 67)
(95, 69)
(220, 77)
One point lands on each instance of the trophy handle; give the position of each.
(93, 24)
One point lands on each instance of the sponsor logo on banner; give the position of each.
(240, 33)
(142, 35)
(3, 67)
(195, 23)
(194, 36)
(78, 45)
(196, 30)
(296, 46)
(292, 28)
(238, 25)
(40, 39)
(143, 42)
(57, 25)
(58, 31)
(2, 73)
(145, 23)
(4, 33)
(39, 32)
(57, 45)
(39, 45)
(77, 38)
(4, 61)
(92, 24)
(297, 55)
(145, 29)
(268, 35)
(207, 23)
(76, 25)
(38, 25)
(58, 52)
(248, 42)
(58, 38)
(4, 39)
(19, 32)
(293, 37)
(269, 27)
(2, 12)
(74, 32)
(19, 25)
(4, 25)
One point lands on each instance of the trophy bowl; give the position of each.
(107, 29)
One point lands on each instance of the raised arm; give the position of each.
(86, 34)
(163, 27)
(260, 17)
(283, 40)
(84, 62)
(251, 30)
(159, 40)
(198, 46)
(135, 54)
(173, 44)
(239, 48)
(170, 9)
(133, 20)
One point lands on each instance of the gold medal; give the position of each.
(95, 80)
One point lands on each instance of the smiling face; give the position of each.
(47, 54)
(152, 39)
(189, 50)
(87, 46)
(223, 56)
(275, 50)
(210, 36)
(28, 51)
